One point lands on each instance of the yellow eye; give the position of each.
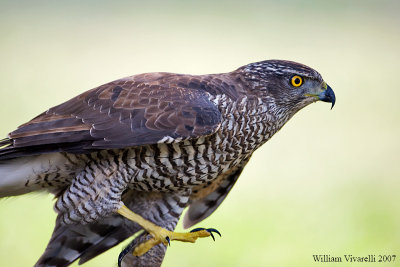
(296, 81)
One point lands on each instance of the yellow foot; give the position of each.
(161, 235)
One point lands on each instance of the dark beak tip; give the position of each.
(328, 96)
(331, 96)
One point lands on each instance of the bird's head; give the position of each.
(290, 85)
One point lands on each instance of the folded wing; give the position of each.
(138, 110)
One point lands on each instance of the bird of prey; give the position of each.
(130, 155)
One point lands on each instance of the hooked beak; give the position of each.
(328, 96)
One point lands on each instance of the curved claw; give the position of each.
(210, 230)
(211, 234)
(169, 241)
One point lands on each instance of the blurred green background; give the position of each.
(328, 183)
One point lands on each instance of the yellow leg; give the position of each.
(160, 235)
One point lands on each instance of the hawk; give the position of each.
(130, 155)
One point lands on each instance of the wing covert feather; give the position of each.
(137, 110)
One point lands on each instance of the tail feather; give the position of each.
(112, 237)
(84, 242)
(71, 242)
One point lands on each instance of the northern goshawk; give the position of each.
(133, 153)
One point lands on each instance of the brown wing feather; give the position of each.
(137, 110)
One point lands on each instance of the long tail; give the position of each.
(84, 242)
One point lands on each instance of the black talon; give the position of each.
(211, 235)
(169, 243)
(211, 230)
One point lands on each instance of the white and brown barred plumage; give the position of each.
(158, 141)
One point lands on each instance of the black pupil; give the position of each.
(296, 80)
